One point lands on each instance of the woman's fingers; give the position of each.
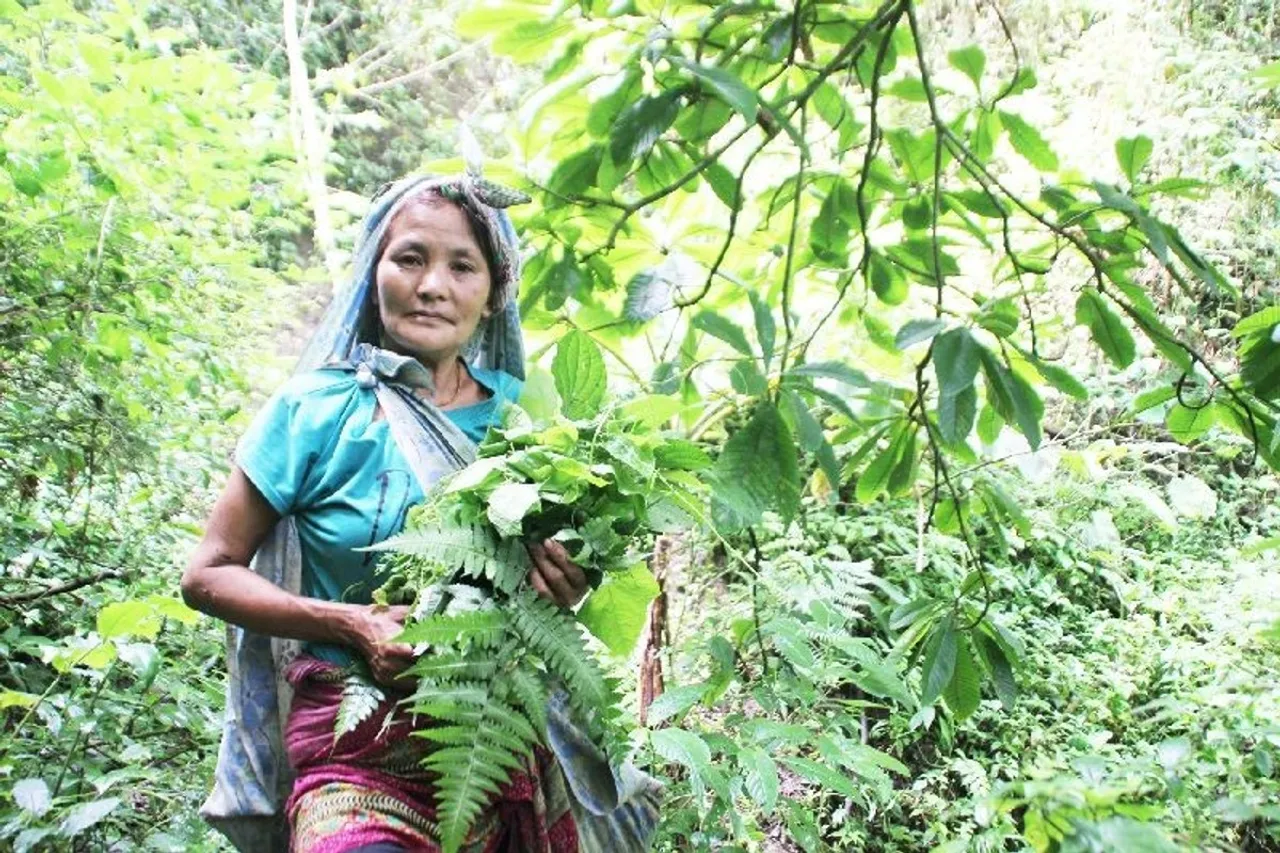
(572, 571)
(554, 575)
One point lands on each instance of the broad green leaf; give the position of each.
(1132, 153)
(1186, 424)
(1108, 330)
(509, 504)
(86, 815)
(674, 701)
(617, 610)
(648, 295)
(1060, 378)
(1265, 320)
(875, 479)
(722, 183)
(651, 410)
(963, 691)
(1001, 669)
(830, 232)
(638, 127)
(32, 795)
(726, 330)
(971, 61)
(758, 470)
(887, 280)
(579, 374)
(956, 413)
(726, 85)
(956, 358)
(1000, 317)
(577, 174)
(682, 747)
(917, 331)
(760, 777)
(1028, 142)
(128, 619)
(681, 455)
(939, 664)
(17, 699)
(986, 133)
(1013, 397)
(830, 779)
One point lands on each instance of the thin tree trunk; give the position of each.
(310, 143)
(651, 681)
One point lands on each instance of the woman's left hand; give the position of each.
(555, 577)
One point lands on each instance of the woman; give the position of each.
(418, 357)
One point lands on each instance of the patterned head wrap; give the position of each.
(352, 319)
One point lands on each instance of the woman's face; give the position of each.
(432, 282)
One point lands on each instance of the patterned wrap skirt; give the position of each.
(369, 787)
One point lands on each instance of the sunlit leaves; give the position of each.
(1108, 330)
(725, 84)
(579, 374)
(615, 612)
(638, 127)
(1132, 153)
(1029, 142)
(971, 61)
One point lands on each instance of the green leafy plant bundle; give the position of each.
(567, 464)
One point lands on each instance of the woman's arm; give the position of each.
(219, 582)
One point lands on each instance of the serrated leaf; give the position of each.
(681, 455)
(32, 795)
(875, 479)
(648, 295)
(1108, 330)
(1029, 143)
(638, 126)
(360, 699)
(759, 778)
(1061, 379)
(86, 815)
(674, 701)
(580, 375)
(682, 747)
(956, 413)
(726, 330)
(831, 780)
(1132, 153)
(1013, 397)
(616, 611)
(758, 470)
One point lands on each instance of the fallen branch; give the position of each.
(69, 586)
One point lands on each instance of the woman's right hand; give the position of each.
(372, 628)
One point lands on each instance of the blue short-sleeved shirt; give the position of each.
(315, 452)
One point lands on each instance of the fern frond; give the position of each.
(474, 760)
(452, 666)
(360, 698)
(556, 638)
(484, 628)
(529, 691)
(471, 550)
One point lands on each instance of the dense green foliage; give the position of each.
(990, 563)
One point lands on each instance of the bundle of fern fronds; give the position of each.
(602, 480)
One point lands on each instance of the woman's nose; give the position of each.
(432, 281)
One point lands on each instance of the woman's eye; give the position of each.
(462, 266)
(408, 260)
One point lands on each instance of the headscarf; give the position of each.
(614, 809)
